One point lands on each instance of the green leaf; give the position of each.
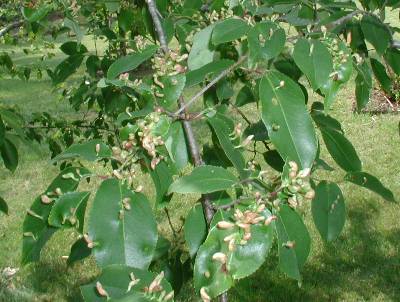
(325, 121)
(229, 30)
(224, 90)
(273, 159)
(328, 210)
(79, 251)
(36, 229)
(162, 248)
(122, 226)
(74, 26)
(195, 229)
(288, 66)
(370, 182)
(381, 75)
(259, 131)
(176, 145)
(87, 150)
(115, 280)
(126, 19)
(2, 131)
(376, 33)
(363, 85)
(293, 242)
(341, 150)
(343, 69)
(130, 62)
(201, 53)
(162, 178)
(9, 154)
(212, 69)
(173, 87)
(3, 206)
(73, 48)
(314, 60)
(245, 96)
(392, 56)
(219, 281)
(12, 119)
(204, 179)
(66, 68)
(287, 120)
(35, 15)
(161, 127)
(266, 41)
(244, 260)
(222, 131)
(69, 210)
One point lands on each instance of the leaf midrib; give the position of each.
(286, 120)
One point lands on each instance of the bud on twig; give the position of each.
(220, 257)
(101, 291)
(169, 296)
(225, 225)
(204, 295)
(45, 199)
(269, 220)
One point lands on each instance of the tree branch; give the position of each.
(396, 44)
(157, 24)
(345, 18)
(197, 160)
(11, 26)
(211, 84)
(193, 147)
(231, 204)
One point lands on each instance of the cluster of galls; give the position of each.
(339, 58)
(154, 291)
(48, 198)
(167, 65)
(126, 156)
(215, 16)
(148, 140)
(242, 234)
(141, 42)
(244, 221)
(297, 187)
(237, 134)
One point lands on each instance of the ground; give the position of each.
(362, 265)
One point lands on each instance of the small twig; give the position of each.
(11, 26)
(231, 204)
(192, 143)
(388, 101)
(224, 297)
(241, 113)
(69, 126)
(346, 18)
(174, 233)
(158, 26)
(182, 117)
(211, 84)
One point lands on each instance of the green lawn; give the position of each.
(362, 265)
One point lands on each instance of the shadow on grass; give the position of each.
(54, 278)
(363, 262)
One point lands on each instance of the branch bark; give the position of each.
(11, 26)
(193, 146)
(211, 84)
(345, 18)
(151, 4)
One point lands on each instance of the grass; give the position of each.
(362, 265)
